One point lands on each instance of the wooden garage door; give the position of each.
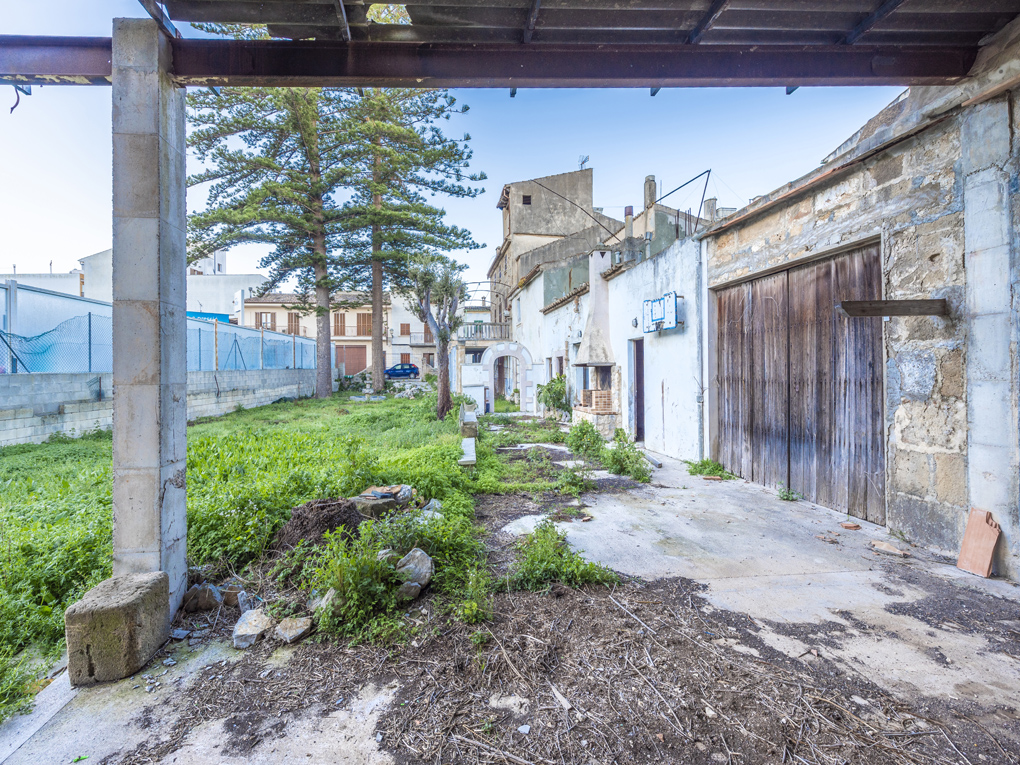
(800, 386)
(354, 358)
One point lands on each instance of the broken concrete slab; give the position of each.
(252, 626)
(467, 445)
(202, 597)
(293, 629)
(116, 627)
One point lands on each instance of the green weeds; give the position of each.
(546, 558)
(708, 467)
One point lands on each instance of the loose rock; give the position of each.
(203, 597)
(250, 627)
(408, 591)
(293, 629)
(417, 567)
(246, 602)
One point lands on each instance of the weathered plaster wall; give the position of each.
(672, 376)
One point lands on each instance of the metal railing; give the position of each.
(484, 331)
(421, 338)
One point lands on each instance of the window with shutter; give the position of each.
(364, 324)
(293, 324)
(428, 335)
(339, 324)
(405, 358)
(405, 329)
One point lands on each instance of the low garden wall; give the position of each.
(34, 407)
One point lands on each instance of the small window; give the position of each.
(219, 267)
(526, 199)
(405, 329)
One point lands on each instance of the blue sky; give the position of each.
(55, 186)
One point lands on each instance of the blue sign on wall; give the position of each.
(660, 314)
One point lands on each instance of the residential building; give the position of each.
(406, 339)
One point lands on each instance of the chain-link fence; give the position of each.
(85, 344)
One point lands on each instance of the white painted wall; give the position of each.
(672, 373)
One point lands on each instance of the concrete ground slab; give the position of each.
(768, 558)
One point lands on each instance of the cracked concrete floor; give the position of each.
(918, 627)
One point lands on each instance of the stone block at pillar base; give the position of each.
(117, 627)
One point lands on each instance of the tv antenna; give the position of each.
(582, 161)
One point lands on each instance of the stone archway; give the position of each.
(484, 374)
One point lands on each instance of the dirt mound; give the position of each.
(313, 519)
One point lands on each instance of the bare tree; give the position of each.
(436, 290)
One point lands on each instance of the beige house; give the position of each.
(405, 338)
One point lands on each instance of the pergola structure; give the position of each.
(448, 43)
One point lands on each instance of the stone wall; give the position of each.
(37, 406)
(926, 199)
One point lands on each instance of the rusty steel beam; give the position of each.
(305, 63)
(56, 60)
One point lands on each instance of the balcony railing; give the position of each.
(351, 330)
(421, 338)
(484, 331)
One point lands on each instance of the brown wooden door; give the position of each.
(353, 357)
(800, 386)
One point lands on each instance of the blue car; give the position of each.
(402, 370)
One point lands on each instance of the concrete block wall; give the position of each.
(34, 407)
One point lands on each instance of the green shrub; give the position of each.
(625, 459)
(475, 605)
(365, 586)
(708, 467)
(575, 481)
(15, 675)
(553, 395)
(547, 558)
(584, 441)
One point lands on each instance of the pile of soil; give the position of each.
(313, 519)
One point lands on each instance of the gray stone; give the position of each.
(408, 591)
(116, 627)
(322, 602)
(431, 515)
(202, 597)
(416, 566)
(246, 602)
(389, 556)
(375, 507)
(250, 627)
(525, 729)
(179, 634)
(293, 629)
(433, 505)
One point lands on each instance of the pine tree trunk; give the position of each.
(323, 344)
(378, 355)
(444, 403)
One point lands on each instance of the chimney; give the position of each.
(595, 349)
(710, 208)
(628, 216)
(649, 191)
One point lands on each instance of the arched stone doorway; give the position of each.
(479, 379)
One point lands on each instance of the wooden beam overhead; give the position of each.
(873, 308)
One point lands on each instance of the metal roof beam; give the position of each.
(320, 63)
(714, 12)
(224, 62)
(341, 20)
(871, 20)
(529, 27)
(154, 9)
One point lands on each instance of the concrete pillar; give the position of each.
(992, 441)
(149, 330)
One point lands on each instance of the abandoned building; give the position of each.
(851, 336)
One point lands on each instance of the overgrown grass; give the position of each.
(245, 471)
(708, 467)
(502, 405)
(546, 558)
